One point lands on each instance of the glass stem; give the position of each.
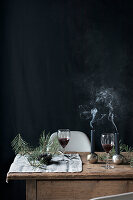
(107, 161)
(63, 153)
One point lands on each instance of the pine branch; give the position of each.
(39, 156)
(131, 162)
(19, 145)
(43, 141)
(126, 148)
(53, 146)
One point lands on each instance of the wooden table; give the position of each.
(93, 181)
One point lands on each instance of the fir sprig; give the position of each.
(131, 162)
(126, 148)
(40, 155)
(20, 146)
(53, 146)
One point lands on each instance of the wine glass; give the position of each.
(107, 141)
(63, 138)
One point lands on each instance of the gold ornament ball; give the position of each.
(92, 158)
(118, 159)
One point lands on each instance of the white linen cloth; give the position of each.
(73, 164)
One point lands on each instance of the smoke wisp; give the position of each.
(104, 103)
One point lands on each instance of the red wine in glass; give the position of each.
(63, 141)
(107, 147)
(107, 141)
(63, 138)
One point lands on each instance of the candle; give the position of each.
(117, 149)
(92, 141)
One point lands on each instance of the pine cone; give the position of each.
(45, 158)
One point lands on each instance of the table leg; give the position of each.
(31, 193)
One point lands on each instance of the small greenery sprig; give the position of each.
(37, 156)
(126, 148)
(131, 162)
(20, 146)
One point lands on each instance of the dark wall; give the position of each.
(53, 53)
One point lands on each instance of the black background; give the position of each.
(52, 54)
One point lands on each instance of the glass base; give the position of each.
(108, 167)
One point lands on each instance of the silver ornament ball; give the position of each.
(118, 159)
(92, 158)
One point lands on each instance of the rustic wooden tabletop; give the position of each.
(90, 171)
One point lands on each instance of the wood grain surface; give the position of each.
(90, 171)
(31, 190)
(81, 189)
